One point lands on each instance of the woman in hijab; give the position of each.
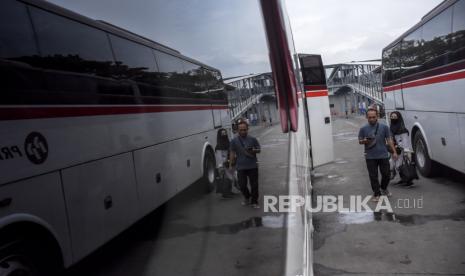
(226, 172)
(402, 142)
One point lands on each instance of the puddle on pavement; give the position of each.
(273, 222)
(407, 220)
(333, 176)
(340, 161)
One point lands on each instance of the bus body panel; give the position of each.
(38, 200)
(389, 101)
(437, 108)
(436, 126)
(101, 199)
(321, 130)
(159, 179)
(461, 123)
(444, 96)
(76, 140)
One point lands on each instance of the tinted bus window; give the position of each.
(412, 56)
(312, 70)
(71, 46)
(170, 75)
(194, 78)
(68, 47)
(458, 32)
(391, 64)
(134, 60)
(215, 85)
(436, 42)
(16, 35)
(20, 82)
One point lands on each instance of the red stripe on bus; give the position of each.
(22, 113)
(321, 93)
(432, 80)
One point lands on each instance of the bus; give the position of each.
(98, 127)
(423, 74)
(302, 96)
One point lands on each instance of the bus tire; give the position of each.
(424, 163)
(209, 171)
(26, 257)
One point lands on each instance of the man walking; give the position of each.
(374, 136)
(244, 149)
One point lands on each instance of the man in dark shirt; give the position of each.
(244, 149)
(374, 136)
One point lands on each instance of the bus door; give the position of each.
(216, 117)
(317, 105)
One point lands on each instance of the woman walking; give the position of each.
(403, 147)
(225, 171)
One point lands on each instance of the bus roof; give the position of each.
(110, 28)
(435, 11)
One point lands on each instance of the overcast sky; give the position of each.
(229, 35)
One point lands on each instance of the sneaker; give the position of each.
(255, 206)
(375, 198)
(386, 192)
(245, 202)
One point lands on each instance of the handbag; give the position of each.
(407, 171)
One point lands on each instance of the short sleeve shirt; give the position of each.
(239, 146)
(379, 151)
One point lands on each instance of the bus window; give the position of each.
(313, 71)
(16, 32)
(71, 46)
(77, 57)
(136, 59)
(194, 80)
(391, 64)
(412, 53)
(436, 42)
(135, 63)
(171, 71)
(458, 32)
(17, 49)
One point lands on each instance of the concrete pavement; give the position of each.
(410, 241)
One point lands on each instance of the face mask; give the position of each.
(394, 121)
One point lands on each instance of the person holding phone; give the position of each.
(374, 136)
(243, 153)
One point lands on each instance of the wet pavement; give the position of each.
(202, 234)
(424, 235)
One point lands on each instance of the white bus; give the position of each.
(303, 103)
(424, 79)
(98, 127)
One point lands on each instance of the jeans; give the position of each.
(252, 175)
(372, 166)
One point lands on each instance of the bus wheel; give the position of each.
(16, 259)
(22, 258)
(425, 165)
(209, 168)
